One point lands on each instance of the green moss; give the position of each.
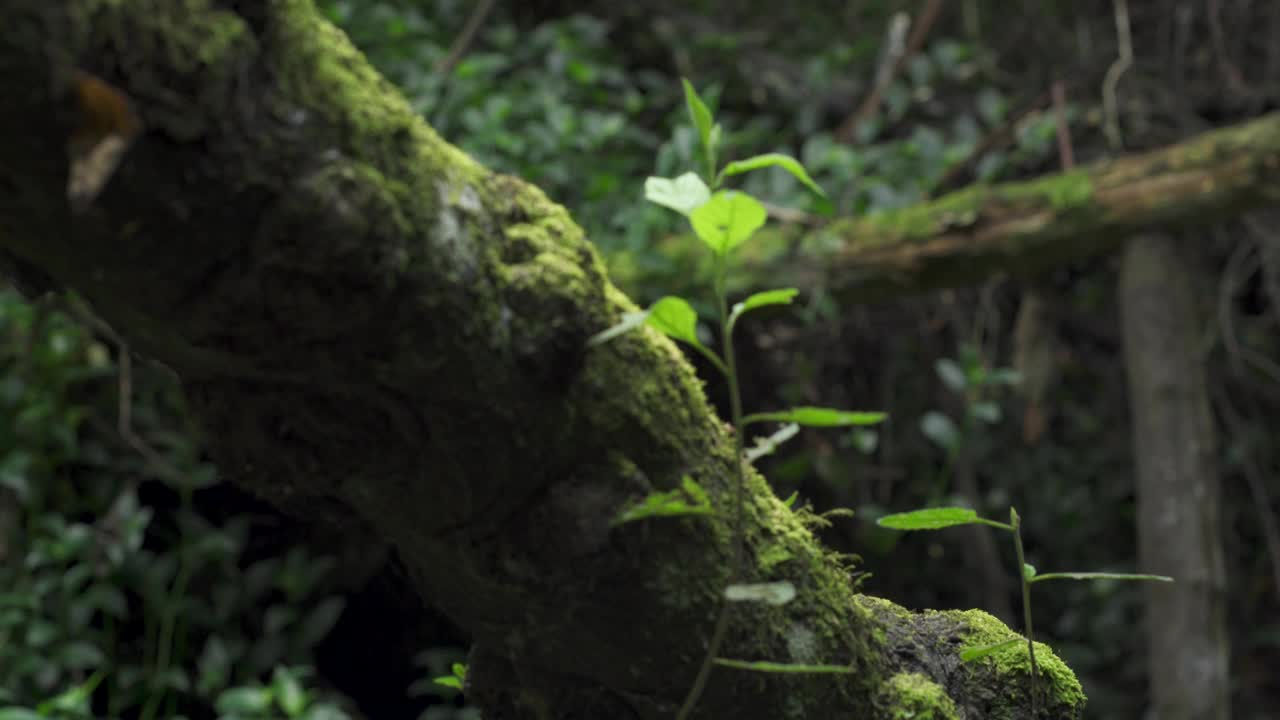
(197, 35)
(913, 696)
(879, 604)
(331, 77)
(963, 208)
(984, 629)
(217, 37)
(1065, 191)
(772, 555)
(196, 30)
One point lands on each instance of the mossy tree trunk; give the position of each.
(1178, 484)
(379, 335)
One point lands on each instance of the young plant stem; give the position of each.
(739, 501)
(1026, 613)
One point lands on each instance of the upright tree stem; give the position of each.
(1026, 613)
(739, 499)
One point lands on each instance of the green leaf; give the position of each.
(244, 701)
(319, 621)
(1028, 572)
(1004, 376)
(699, 113)
(1102, 576)
(288, 691)
(448, 681)
(786, 162)
(72, 702)
(17, 713)
(675, 317)
(683, 194)
(456, 680)
(695, 491)
(940, 429)
(791, 499)
(767, 445)
(630, 321)
(817, 417)
(992, 106)
(773, 593)
(776, 667)
(987, 412)
(951, 374)
(670, 315)
(865, 440)
(41, 633)
(975, 653)
(214, 666)
(689, 499)
(727, 220)
(325, 711)
(783, 296)
(936, 519)
(80, 655)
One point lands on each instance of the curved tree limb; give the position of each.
(1026, 227)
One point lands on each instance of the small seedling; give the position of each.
(456, 681)
(939, 518)
(723, 220)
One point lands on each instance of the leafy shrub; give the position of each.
(109, 608)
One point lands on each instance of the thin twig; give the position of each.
(1026, 613)
(1269, 257)
(124, 381)
(792, 215)
(1124, 42)
(1254, 478)
(998, 137)
(1065, 153)
(737, 561)
(464, 39)
(1237, 355)
(1237, 351)
(1232, 74)
(124, 422)
(896, 55)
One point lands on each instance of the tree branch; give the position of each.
(1026, 227)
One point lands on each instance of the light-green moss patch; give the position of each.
(913, 696)
(984, 629)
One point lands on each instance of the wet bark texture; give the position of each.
(380, 336)
(1178, 484)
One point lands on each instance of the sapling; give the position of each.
(945, 517)
(723, 220)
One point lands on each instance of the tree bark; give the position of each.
(1178, 485)
(378, 334)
